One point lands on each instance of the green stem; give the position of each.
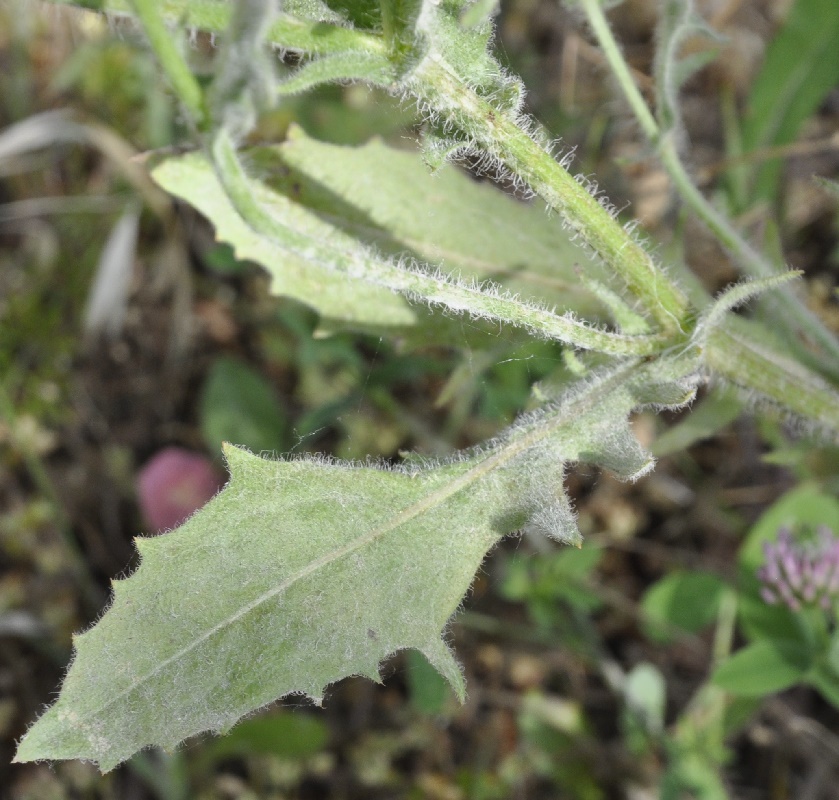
(429, 287)
(792, 313)
(620, 69)
(496, 133)
(173, 64)
(436, 84)
(736, 352)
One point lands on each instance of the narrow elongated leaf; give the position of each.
(445, 218)
(310, 259)
(801, 67)
(336, 297)
(386, 199)
(302, 572)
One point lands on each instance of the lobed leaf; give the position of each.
(302, 572)
(261, 594)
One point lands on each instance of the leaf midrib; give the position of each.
(595, 392)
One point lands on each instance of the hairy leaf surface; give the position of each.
(388, 199)
(377, 199)
(303, 572)
(336, 297)
(299, 573)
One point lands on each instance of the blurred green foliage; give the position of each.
(239, 405)
(681, 602)
(800, 69)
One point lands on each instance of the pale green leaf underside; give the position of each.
(298, 574)
(303, 572)
(336, 297)
(388, 198)
(378, 197)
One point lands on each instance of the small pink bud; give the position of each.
(173, 484)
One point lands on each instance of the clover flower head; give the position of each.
(799, 573)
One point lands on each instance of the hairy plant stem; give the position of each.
(792, 313)
(445, 93)
(733, 350)
(412, 282)
(736, 352)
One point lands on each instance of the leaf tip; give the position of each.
(21, 757)
(556, 520)
(440, 657)
(235, 456)
(374, 675)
